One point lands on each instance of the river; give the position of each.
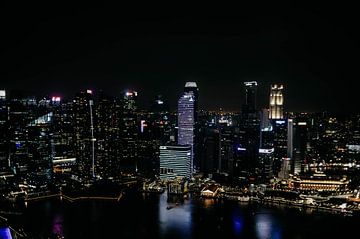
(149, 216)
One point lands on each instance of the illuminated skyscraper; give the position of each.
(186, 118)
(276, 102)
(82, 123)
(107, 136)
(129, 132)
(4, 165)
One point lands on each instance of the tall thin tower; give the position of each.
(276, 102)
(187, 118)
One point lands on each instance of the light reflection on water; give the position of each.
(58, 225)
(266, 226)
(176, 220)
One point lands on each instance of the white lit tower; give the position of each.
(276, 102)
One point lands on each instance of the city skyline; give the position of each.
(310, 51)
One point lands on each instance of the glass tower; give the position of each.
(186, 118)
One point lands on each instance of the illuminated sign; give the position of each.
(241, 149)
(160, 102)
(89, 91)
(2, 93)
(190, 84)
(142, 125)
(266, 151)
(302, 123)
(280, 122)
(266, 129)
(56, 99)
(250, 83)
(129, 93)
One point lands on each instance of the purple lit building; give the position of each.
(186, 119)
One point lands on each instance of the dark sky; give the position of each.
(313, 51)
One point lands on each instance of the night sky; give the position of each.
(313, 51)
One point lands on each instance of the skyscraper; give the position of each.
(249, 127)
(186, 118)
(276, 102)
(249, 105)
(107, 136)
(4, 165)
(82, 132)
(129, 132)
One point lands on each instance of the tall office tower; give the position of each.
(175, 162)
(265, 166)
(107, 137)
(22, 110)
(159, 121)
(276, 102)
(129, 132)
(191, 87)
(280, 143)
(285, 169)
(210, 150)
(249, 105)
(40, 147)
(82, 122)
(300, 143)
(264, 119)
(63, 141)
(250, 127)
(290, 138)
(4, 162)
(226, 147)
(186, 122)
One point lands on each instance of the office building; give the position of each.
(250, 104)
(276, 107)
(186, 120)
(129, 132)
(175, 162)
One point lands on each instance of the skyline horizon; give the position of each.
(146, 103)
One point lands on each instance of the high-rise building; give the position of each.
(186, 119)
(82, 122)
(264, 119)
(300, 144)
(249, 128)
(192, 87)
(210, 151)
(63, 142)
(280, 128)
(175, 162)
(22, 110)
(107, 137)
(129, 132)
(265, 164)
(249, 105)
(285, 169)
(4, 164)
(276, 102)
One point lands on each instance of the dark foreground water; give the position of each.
(139, 216)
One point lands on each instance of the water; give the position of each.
(140, 216)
